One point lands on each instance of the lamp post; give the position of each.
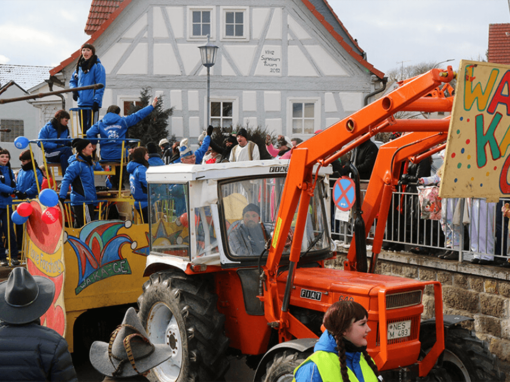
(442, 62)
(208, 54)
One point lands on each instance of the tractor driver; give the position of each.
(249, 237)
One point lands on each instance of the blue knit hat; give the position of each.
(184, 148)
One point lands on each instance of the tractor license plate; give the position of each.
(399, 329)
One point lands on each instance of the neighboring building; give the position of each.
(499, 44)
(23, 117)
(288, 65)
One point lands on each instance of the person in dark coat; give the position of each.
(129, 337)
(229, 144)
(154, 158)
(89, 71)
(57, 151)
(30, 352)
(364, 160)
(169, 152)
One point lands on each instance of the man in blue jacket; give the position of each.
(26, 183)
(115, 127)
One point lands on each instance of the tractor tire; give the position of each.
(281, 367)
(466, 358)
(180, 311)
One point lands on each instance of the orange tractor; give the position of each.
(207, 293)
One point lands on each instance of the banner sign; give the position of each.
(477, 157)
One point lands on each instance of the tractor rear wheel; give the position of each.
(466, 357)
(180, 311)
(281, 367)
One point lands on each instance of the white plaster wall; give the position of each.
(272, 101)
(136, 63)
(176, 17)
(298, 30)
(275, 28)
(112, 56)
(165, 61)
(329, 103)
(193, 100)
(190, 55)
(159, 26)
(351, 101)
(194, 127)
(299, 65)
(177, 126)
(324, 61)
(331, 121)
(259, 19)
(249, 101)
(136, 27)
(176, 99)
(250, 121)
(242, 55)
(274, 125)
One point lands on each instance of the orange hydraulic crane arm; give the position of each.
(325, 144)
(300, 184)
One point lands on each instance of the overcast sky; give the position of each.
(46, 32)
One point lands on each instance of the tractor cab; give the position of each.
(225, 214)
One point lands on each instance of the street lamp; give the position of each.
(442, 62)
(208, 54)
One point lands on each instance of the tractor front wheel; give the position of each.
(466, 357)
(180, 311)
(281, 367)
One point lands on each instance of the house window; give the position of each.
(16, 127)
(234, 23)
(201, 23)
(221, 114)
(127, 105)
(303, 117)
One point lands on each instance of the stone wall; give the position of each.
(475, 291)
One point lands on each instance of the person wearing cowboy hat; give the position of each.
(130, 353)
(31, 352)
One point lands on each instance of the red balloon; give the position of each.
(51, 215)
(184, 219)
(24, 209)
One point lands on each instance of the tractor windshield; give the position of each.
(169, 219)
(250, 208)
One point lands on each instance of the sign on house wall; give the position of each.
(477, 159)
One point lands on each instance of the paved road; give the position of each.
(238, 371)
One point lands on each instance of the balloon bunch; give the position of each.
(48, 198)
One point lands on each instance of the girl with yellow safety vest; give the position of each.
(342, 348)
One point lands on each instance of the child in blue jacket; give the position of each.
(7, 187)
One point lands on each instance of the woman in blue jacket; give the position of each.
(154, 158)
(56, 128)
(7, 187)
(89, 71)
(137, 170)
(341, 353)
(80, 175)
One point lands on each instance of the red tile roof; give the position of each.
(499, 44)
(106, 23)
(100, 11)
(103, 12)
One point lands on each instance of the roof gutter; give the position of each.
(384, 81)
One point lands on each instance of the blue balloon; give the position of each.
(48, 197)
(21, 143)
(17, 218)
